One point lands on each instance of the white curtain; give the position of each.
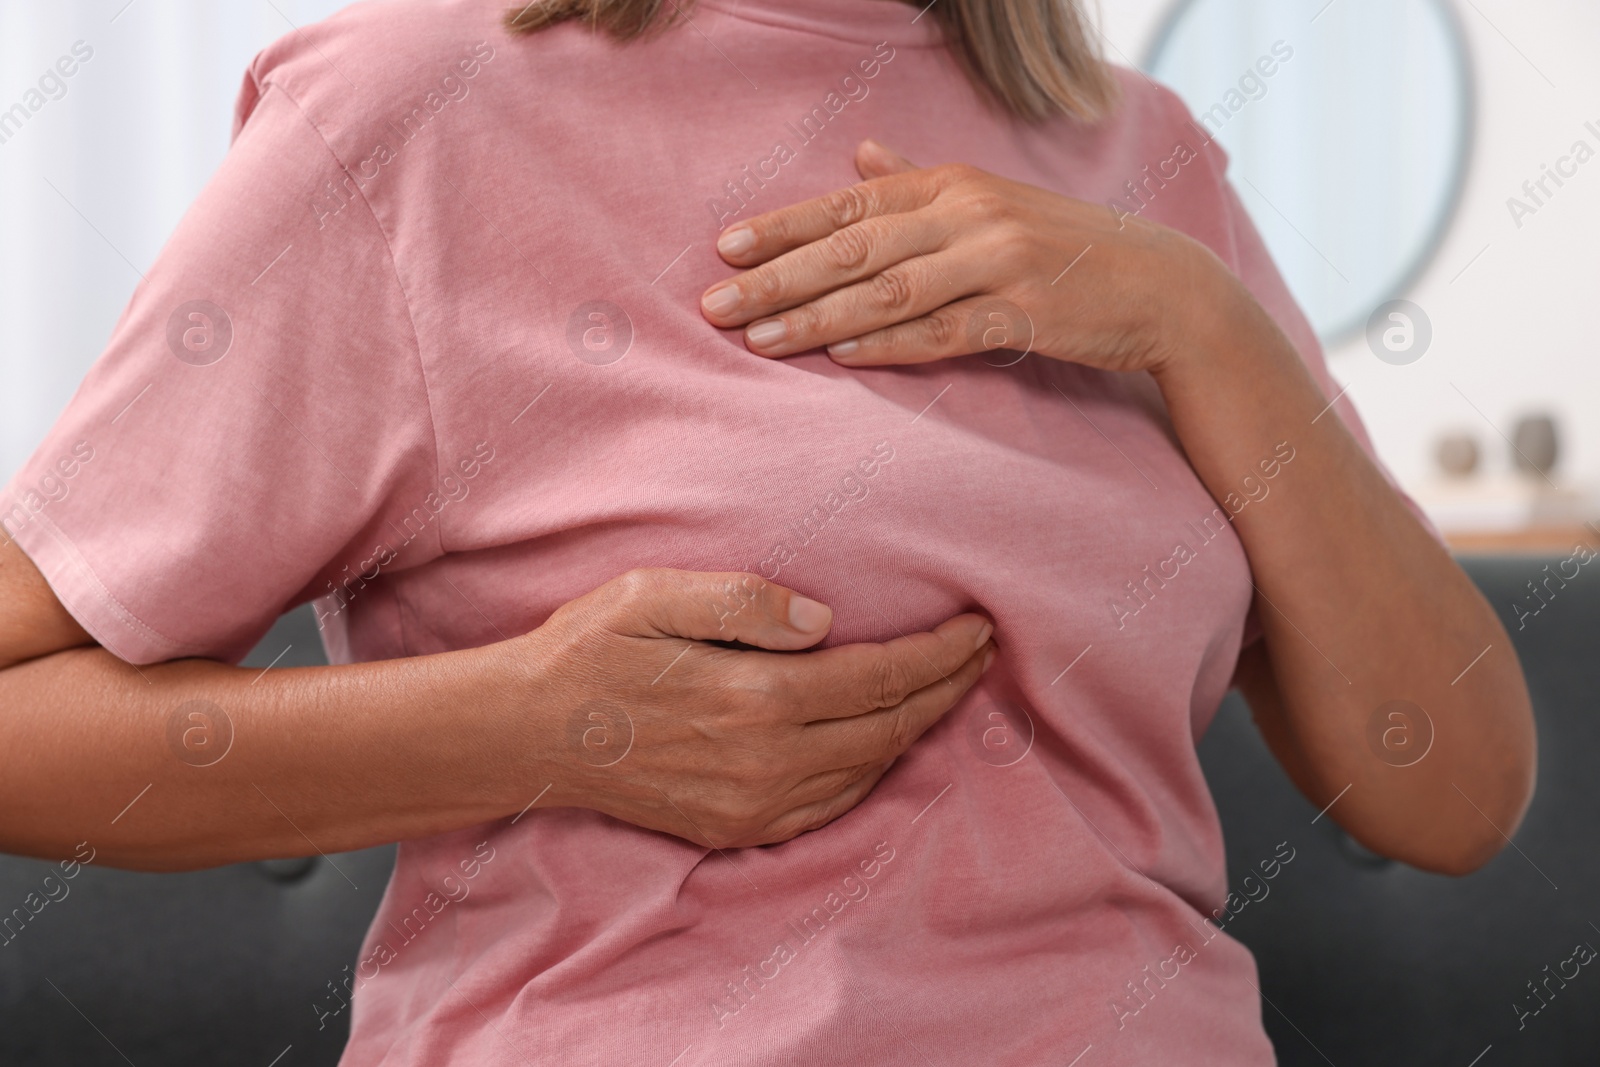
(97, 167)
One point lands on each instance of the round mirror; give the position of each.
(1348, 123)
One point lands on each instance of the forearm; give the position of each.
(1359, 606)
(321, 759)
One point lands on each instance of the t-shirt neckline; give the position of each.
(867, 21)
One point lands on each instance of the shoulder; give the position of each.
(372, 57)
(1165, 165)
(1151, 113)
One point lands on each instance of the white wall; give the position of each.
(145, 121)
(129, 144)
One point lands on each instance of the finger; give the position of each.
(820, 813)
(756, 240)
(883, 735)
(907, 290)
(851, 680)
(717, 607)
(825, 785)
(998, 329)
(858, 251)
(873, 160)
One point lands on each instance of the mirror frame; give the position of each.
(1448, 212)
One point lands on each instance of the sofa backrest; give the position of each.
(1369, 962)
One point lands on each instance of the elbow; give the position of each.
(1483, 828)
(1461, 819)
(1489, 796)
(1461, 859)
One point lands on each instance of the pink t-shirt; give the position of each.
(430, 340)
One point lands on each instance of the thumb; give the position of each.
(720, 607)
(875, 161)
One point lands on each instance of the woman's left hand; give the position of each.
(918, 264)
(913, 265)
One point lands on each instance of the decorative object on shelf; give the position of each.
(1471, 495)
(1458, 455)
(1536, 446)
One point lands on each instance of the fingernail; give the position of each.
(844, 348)
(721, 301)
(983, 635)
(988, 661)
(766, 334)
(807, 616)
(737, 240)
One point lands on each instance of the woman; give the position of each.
(433, 350)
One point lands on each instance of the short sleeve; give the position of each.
(259, 405)
(1246, 253)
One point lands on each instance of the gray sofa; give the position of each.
(1363, 962)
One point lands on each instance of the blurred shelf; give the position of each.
(1555, 540)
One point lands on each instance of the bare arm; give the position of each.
(334, 758)
(1360, 607)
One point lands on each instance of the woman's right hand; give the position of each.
(647, 719)
(627, 701)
